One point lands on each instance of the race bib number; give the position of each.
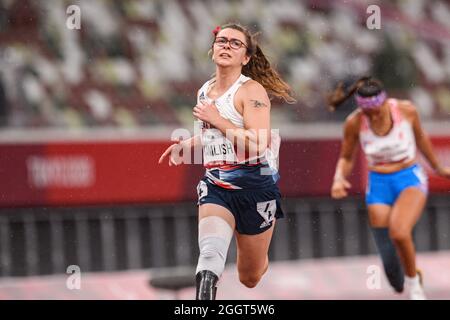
(217, 149)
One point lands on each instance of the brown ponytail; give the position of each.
(259, 68)
(338, 96)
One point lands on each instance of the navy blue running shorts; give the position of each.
(253, 210)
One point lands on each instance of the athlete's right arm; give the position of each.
(346, 158)
(174, 150)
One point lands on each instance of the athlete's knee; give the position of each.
(211, 249)
(399, 234)
(213, 253)
(250, 280)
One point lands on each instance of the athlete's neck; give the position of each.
(380, 117)
(225, 77)
(382, 122)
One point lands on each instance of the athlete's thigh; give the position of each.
(407, 209)
(379, 215)
(252, 250)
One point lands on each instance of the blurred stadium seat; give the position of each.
(138, 63)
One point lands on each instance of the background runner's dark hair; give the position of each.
(366, 86)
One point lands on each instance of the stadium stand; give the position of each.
(139, 63)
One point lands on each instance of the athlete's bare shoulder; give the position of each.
(253, 91)
(252, 86)
(353, 121)
(408, 109)
(406, 106)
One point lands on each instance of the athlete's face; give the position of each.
(376, 112)
(230, 48)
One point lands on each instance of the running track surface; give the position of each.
(320, 279)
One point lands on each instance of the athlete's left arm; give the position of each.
(256, 113)
(423, 141)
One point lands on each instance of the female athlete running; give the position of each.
(239, 193)
(389, 132)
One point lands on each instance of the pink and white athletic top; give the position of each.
(399, 145)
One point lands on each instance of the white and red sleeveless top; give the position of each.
(224, 165)
(217, 149)
(399, 145)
